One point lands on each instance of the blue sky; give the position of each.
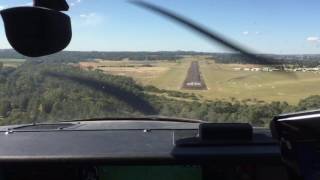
(267, 26)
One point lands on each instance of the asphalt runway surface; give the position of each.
(194, 80)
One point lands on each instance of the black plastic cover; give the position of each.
(35, 31)
(225, 131)
(58, 5)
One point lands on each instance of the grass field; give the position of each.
(11, 62)
(222, 81)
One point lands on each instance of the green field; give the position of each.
(12, 62)
(222, 81)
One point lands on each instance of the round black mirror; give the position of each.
(37, 31)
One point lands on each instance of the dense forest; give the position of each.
(46, 92)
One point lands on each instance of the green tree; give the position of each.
(5, 108)
(311, 102)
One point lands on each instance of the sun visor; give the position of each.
(37, 31)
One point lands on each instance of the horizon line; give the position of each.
(195, 51)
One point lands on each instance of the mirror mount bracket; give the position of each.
(58, 5)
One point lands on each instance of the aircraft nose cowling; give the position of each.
(36, 31)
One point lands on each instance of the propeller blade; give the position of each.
(211, 35)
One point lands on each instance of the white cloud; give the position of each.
(91, 19)
(87, 15)
(2, 7)
(245, 33)
(75, 2)
(313, 39)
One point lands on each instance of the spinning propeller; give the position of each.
(209, 34)
(43, 29)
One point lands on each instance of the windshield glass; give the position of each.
(125, 61)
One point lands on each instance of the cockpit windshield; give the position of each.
(125, 61)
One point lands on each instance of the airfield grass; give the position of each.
(222, 81)
(173, 78)
(163, 74)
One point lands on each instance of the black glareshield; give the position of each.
(297, 127)
(37, 31)
(299, 138)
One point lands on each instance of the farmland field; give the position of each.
(222, 81)
(11, 62)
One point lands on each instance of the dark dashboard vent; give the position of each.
(44, 127)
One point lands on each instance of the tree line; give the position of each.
(227, 58)
(306, 60)
(77, 56)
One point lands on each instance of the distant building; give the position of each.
(237, 69)
(255, 69)
(274, 69)
(266, 69)
(271, 69)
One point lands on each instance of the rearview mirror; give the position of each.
(37, 31)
